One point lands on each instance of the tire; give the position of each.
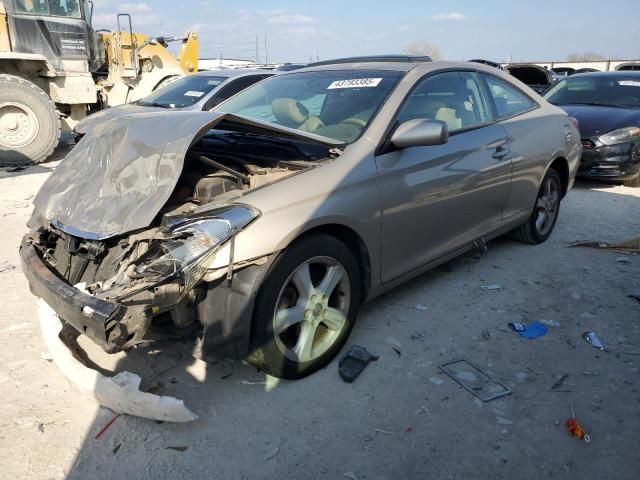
(531, 231)
(327, 321)
(633, 182)
(29, 122)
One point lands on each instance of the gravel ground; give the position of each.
(402, 418)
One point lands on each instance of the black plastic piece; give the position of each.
(226, 313)
(68, 302)
(353, 362)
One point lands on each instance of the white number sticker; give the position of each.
(629, 83)
(355, 83)
(193, 93)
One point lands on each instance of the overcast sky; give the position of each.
(298, 30)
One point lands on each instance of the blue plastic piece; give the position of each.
(532, 330)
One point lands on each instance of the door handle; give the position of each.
(500, 153)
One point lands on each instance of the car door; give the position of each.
(517, 113)
(437, 199)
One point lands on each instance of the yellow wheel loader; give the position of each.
(55, 69)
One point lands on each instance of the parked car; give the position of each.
(537, 78)
(200, 91)
(270, 221)
(288, 67)
(563, 71)
(559, 73)
(487, 62)
(607, 107)
(630, 66)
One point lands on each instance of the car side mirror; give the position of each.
(420, 133)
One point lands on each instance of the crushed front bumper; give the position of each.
(96, 318)
(614, 162)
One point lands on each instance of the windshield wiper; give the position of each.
(154, 104)
(595, 104)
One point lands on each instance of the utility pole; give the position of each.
(266, 50)
(256, 49)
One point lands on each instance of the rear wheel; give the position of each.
(29, 123)
(633, 182)
(306, 308)
(543, 218)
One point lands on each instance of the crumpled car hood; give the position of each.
(98, 118)
(124, 170)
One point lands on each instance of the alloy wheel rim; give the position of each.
(19, 125)
(311, 310)
(547, 206)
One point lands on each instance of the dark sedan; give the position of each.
(607, 107)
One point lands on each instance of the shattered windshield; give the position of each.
(611, 91)
(183, 92)
(337, 104)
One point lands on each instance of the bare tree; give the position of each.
(585, 57)
(423, 48)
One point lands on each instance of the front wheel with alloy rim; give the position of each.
(306, 307)
(543, 218)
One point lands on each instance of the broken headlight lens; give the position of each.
(193, 244)
(622, 135)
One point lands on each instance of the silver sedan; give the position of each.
(266, 224)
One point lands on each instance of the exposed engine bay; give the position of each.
(160, 274)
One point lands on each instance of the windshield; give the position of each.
(337, 104)
(183, 92)
(612, 91)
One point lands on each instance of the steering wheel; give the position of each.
(355, 121)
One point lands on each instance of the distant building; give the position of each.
(602, 65)
(221, 63)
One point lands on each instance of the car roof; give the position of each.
(400, 66)
(234, 72)
(614, 73)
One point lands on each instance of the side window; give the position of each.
(507, 98)
(39, 7)
(60, 8)
(231, 89)
(453, 97)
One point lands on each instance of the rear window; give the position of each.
(183, 92)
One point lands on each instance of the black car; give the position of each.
(607, 107)
(534, 76)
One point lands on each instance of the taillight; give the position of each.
(574, 122)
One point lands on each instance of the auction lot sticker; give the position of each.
(629, 83)
(193, 93)
(355, 83)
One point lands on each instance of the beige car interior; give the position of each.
(291, 113)
(455, 101)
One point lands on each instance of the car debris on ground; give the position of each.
(592, 339)
(628, 247)
(475, 380)
(531, 330)
(353, 362)
(119, 393)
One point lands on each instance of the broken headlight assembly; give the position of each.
(191, 245)
(622, 135)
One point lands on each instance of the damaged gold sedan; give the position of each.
(263, 227)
